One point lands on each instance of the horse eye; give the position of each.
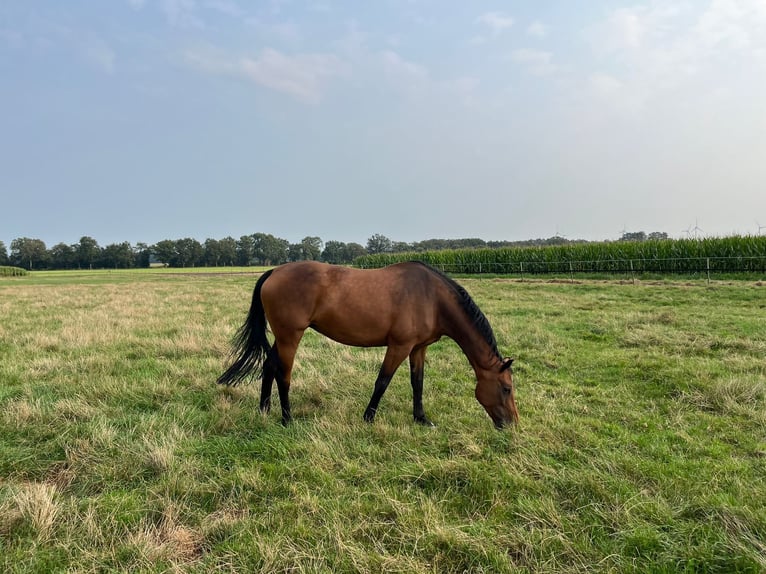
(506, 390)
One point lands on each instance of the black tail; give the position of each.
(251, 346)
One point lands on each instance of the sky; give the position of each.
(144, 120)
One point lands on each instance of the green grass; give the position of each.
(642, 444)
(86, 276)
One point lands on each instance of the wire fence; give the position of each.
(701, 266)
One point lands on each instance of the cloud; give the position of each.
(300, 76)
(136, 4)
(396, 66)
(12, 38)
(182, 13)
(98, 53)
(677, 47)
(404, 75)
(605, 85)
(282, 32)
(732, 24)
(497, 22)
(536, 62)
(226, 7)
(537, 29)
(676, 31)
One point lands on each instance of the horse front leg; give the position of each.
(392, 360)
(417, 365)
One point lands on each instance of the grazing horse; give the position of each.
(404, 307)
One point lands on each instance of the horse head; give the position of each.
(495, 392)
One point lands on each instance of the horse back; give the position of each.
(353, 306)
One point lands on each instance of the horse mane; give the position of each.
(469, 306)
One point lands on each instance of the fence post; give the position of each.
(571, 271)
(521, 265)
(708, 270)
(632, 274)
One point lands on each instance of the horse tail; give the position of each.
(251, 346)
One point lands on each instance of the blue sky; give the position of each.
(143, 120)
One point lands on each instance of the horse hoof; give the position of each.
(425, 422)
(369, 416)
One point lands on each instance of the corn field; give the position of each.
(736, 254)
(6, 271)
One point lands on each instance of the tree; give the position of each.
(28, 253)
(212, 256)
(312, 248)
(658, 235)
(188, 252)
(118, 256)
(260, 245)
(633, 236)
(245, 250)
(270, 250)
(354, 250)
(275, 250)
(165, 251)
(3, 254)
(63, 256)
(338, 252)
(88, 252)
(295, 252)
(228, 250)
(142, 254)
(379, 244)
(334, 252)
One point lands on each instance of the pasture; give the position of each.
(641, 447)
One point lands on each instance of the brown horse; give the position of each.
(404, 307)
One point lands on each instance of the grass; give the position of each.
(642, 446)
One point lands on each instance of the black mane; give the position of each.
(477, 318)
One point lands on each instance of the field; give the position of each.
(708, 256)
(641, 448)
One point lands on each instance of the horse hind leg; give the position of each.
(270, 368)
(283, 372)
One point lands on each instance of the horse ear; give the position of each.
(506, 365)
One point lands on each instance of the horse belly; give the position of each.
(350, 330)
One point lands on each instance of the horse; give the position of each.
(405, 307)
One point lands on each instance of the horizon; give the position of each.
(394, 240)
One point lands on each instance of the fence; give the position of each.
(704, 266)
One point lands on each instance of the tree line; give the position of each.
(248, 250)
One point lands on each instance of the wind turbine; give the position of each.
(688, 231)
(760, 227)
(696, 229)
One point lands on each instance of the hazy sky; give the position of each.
(143, 120)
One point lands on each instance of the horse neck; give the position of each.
(475, 347)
